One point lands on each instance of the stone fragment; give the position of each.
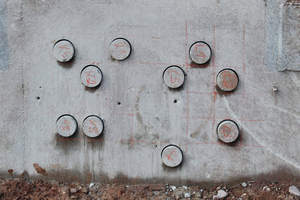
(244, 184)
(187, 195)
(73, 190)
(266, 188)
(294, 190)
(198, 195)
(84, 190)
(221, 194)
(92, 184)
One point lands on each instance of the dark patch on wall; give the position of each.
(67, 145)
(69, 176)
(4, 52)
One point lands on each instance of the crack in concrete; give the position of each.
(269, 147)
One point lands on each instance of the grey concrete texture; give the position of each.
(141, 114)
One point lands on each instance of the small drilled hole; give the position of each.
(38, 98)
(175, 101)
(119, 103)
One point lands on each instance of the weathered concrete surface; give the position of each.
(141, 114)
(289, 55)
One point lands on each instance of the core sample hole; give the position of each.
(175, 101)
(38, 98)
(119, 103)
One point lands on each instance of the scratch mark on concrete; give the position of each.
(268, 146)
(287, 111)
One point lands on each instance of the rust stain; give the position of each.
(215, 96)
(39, 169)
(55, 165)
(11, 171)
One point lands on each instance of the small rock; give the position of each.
(173, 187)
(205, 193)
(294, 190)
(244, 184)
(289, 198)
(198, 195)
(73, 190)
(187, 195)
(266, 188)
(184, 187)
(222, 194)
(84, 190)
(92, 184)
(155, 192)
(65, 191)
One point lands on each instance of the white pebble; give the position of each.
(187, 195)
(294, 190)
(222, 194)
(92, 184)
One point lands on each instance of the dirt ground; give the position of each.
(18, 189)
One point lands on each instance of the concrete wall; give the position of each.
(259, 39)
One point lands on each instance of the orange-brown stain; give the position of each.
(10, 171)
(39, 169)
